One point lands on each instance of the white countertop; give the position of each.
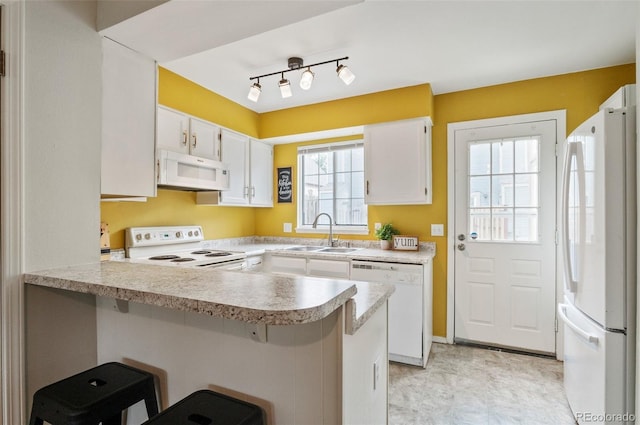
(364, 252)
(250, 297)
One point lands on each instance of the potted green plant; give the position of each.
(385, 233)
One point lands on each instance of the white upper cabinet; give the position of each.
(250, 164)
(397, 157)
(128, 122)
(179, 132)
(235, 151)
(261, 174)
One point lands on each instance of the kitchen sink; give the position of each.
(338, 250)
(305, 248)
(327, 249)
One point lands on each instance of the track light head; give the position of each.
(306, 79)
(254, 91)
(345, 74)
(285, 87)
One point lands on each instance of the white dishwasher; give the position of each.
(410, 331)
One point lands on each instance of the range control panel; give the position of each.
(165, 235)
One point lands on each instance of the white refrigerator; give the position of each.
(598, 216)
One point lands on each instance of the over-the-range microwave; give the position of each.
(190, 172)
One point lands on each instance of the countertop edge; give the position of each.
(368, 299)
(55, 278)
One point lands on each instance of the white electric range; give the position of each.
(179, 246)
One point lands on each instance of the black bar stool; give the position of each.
(96, 395)
(206, 407)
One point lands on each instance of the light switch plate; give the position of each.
(437, 230)
(287, 228)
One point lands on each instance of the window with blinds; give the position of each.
(331, 180)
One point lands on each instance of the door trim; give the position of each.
(561, 128)
(12, 367)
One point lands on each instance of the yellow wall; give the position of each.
(578, 93)
(179, 93)
(177, 207)
(174, 207)
(390, 105)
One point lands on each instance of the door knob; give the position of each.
(461, 237)
(461, 247)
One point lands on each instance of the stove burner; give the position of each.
(182, 260)
(218, 254)
(164, 257)
(204, 251)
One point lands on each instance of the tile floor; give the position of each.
(467, 385)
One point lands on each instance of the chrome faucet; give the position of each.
(315, 225)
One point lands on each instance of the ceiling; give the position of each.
(453, 45)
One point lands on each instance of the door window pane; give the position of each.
(503, 189)
(526, 156)
(502, 224)
(479, 191)
(526, 190)
(502, 157)
(479, 159)
(480, 223)
(526, 224)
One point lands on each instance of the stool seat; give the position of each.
(206, 407)
(96, 395)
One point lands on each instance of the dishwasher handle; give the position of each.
(370, 265)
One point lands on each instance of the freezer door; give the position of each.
(594, 216)
(594, 369)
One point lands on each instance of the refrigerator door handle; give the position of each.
(579, 331)
(573, 150)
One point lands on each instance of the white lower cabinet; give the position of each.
(283, 264)
(410, 306)
(337, 269)
(328, 268)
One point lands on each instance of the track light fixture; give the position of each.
(306, 78)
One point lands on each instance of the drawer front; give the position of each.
(294, 265)
(328, 268)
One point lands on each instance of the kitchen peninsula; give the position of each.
(279, 339)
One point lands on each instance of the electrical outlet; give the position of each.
(376, 226)
(286, 228)
(437, 230)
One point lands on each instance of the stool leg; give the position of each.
(35, 420)
(114, 420)
(150, 400)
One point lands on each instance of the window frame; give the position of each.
(323, 227)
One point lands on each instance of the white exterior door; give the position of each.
(505, 230)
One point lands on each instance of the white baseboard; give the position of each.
(440, 340)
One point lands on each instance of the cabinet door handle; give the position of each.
(245, 193)
(194, 136)
(253, 191)
(367, 187)
(184, 137)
